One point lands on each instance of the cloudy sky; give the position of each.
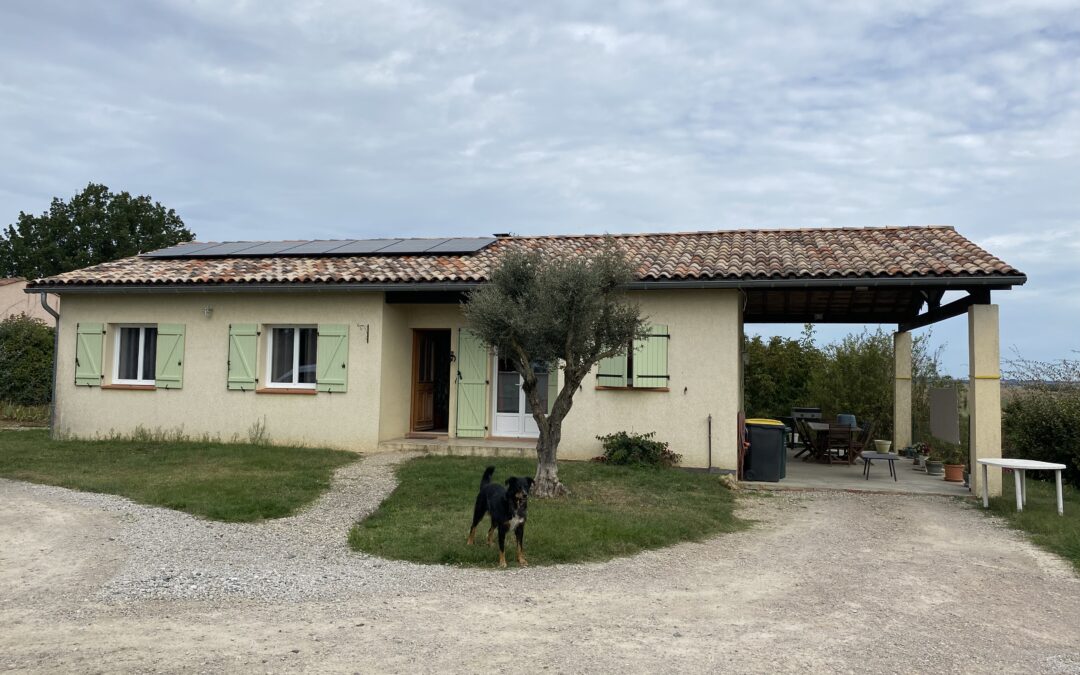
(326, 119)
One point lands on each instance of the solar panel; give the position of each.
(227, 248)
(411, 246)
(316, 247)
(334, 247)
(362, 246)
(462, 245)
(272, 247)
(179, 250)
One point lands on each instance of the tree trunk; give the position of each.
(547, 469)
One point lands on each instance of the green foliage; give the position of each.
(628, 449)
(26, 360)
(547, 311)
(1041, 419)
(95, 226)
(948, 452)
(228, 482)
(854, 375)
(613, 511)
(777, 378)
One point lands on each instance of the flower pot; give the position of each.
(954, 473)
(882, 446)
(934, 468)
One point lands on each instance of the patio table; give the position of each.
(1020, 468)
(889, 457)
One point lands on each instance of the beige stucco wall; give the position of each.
(984, 394)
(204, 404)
(703, 361)
(14, 301)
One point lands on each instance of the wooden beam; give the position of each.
(979, 296)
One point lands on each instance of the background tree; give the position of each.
(545, 313)
(777, 378)
(95, 226)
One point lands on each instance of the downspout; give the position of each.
(44, 298)
(710, 444)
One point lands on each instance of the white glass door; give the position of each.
(512, 413)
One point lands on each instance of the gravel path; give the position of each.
(824, 581)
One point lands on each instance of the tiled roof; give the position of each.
(735, 254)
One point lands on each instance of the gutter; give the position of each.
(43, 297)
(1002, 282)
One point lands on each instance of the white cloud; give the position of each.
(333, 118)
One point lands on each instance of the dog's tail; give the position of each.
(487, 476)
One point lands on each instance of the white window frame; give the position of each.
(296, 357)
(142, 352)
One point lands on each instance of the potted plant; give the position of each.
(922, 454)
(954, 457)
(934, 466)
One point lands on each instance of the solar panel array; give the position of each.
(325, 247)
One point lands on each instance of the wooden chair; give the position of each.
(810, 441)
(864, 441)
(841, 439)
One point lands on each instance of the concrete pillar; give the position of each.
(902, 390)
(984, 392)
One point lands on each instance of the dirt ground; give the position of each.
(831, 582)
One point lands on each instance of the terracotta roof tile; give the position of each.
(734, 254)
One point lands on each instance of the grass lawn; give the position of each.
(612, 511)
(229, 482)
(1060, 534)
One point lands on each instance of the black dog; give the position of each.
(508, 507)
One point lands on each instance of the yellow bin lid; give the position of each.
(767, 422)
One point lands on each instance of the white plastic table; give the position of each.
(1020, 468)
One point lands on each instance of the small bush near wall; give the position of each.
(637, 450)
(26, 360)
(1041, 416)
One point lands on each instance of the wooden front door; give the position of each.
(430, 380)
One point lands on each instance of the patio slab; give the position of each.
(849, 477)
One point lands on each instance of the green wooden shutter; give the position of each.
(332, 357)
(169, 370)
(89, 346)
(472, 385)
(553, 387)
(243, 343)
(650, 358)
(612, 371)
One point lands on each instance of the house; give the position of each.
(354, 344)
(14, 300)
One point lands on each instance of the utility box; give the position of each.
(765, 459)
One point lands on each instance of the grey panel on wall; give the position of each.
(945, 414)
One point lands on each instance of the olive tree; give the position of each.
(542, 314)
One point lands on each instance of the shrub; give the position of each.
(948, 452)
(1041, 418)
(637, 450)
(26, 356)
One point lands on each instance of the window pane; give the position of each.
(309, 339)
(508, 390)
(128, 366)
(149, 365)
(542, 389)
(281, 361)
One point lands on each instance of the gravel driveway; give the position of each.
(825, 581)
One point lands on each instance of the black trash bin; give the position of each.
(765, 458)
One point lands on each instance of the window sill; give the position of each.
(607, 388)
(286, 390)
(131, 387)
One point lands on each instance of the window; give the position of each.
(291, 360)
(644, 366)
(135, 358)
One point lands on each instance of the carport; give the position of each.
(910, 301)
